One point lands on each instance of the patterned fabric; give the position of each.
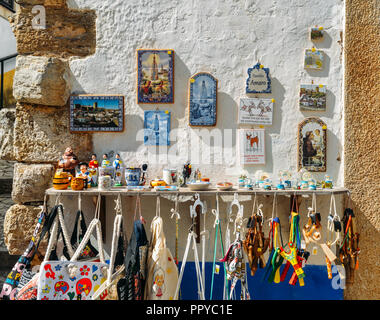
(11, 283)
(70, 280)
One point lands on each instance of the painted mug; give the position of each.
(132, 176)
(170, 176)
(105, 182)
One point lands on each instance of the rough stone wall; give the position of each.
(362, 166)
(36, 132)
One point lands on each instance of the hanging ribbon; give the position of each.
(218, 231)
(294, 243)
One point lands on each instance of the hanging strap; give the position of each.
(95, 224)
(110, 274)
(296, 202)
(254, 206)
(191, 238)
(158, 208)
(60, 223)
(177, 217)
(333, 223)
(138, 207)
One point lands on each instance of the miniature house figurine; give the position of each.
(68, 161)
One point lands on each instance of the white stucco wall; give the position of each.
(224, 38)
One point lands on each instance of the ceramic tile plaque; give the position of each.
(312, 97)
(312, 145)
(314, 59)
(96, 113)
(316, 34)
(202, 99)
(256, 111)
(252, 146)
(156, 128)
(258, 80)
(155, 76)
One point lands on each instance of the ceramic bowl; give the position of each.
(198, 186)
(223, 186)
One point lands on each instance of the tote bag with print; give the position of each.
(74, 280)
(162, 274)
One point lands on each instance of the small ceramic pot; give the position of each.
(77, 183)
(61, 180)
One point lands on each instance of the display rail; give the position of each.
(185, 191)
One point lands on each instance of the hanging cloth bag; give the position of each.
(162, 272)
(79, 230)
(131, 287)
(55, 226)
(74, 280)
(22, 269)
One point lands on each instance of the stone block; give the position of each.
(41, 135)
(19, 224)
(30, 182)
(46, 3)
(66, 33)
(41, 80)
(7, 119)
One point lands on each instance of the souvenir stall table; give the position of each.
(186, 194)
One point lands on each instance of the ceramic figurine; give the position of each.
(186, 172)
(327, 183)
(94, 163)
(68, 161)
(197, 175)
(117, 163)
(144, 167)
(118, 170)
(93, 169)
(84, 173)
(105, 163)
